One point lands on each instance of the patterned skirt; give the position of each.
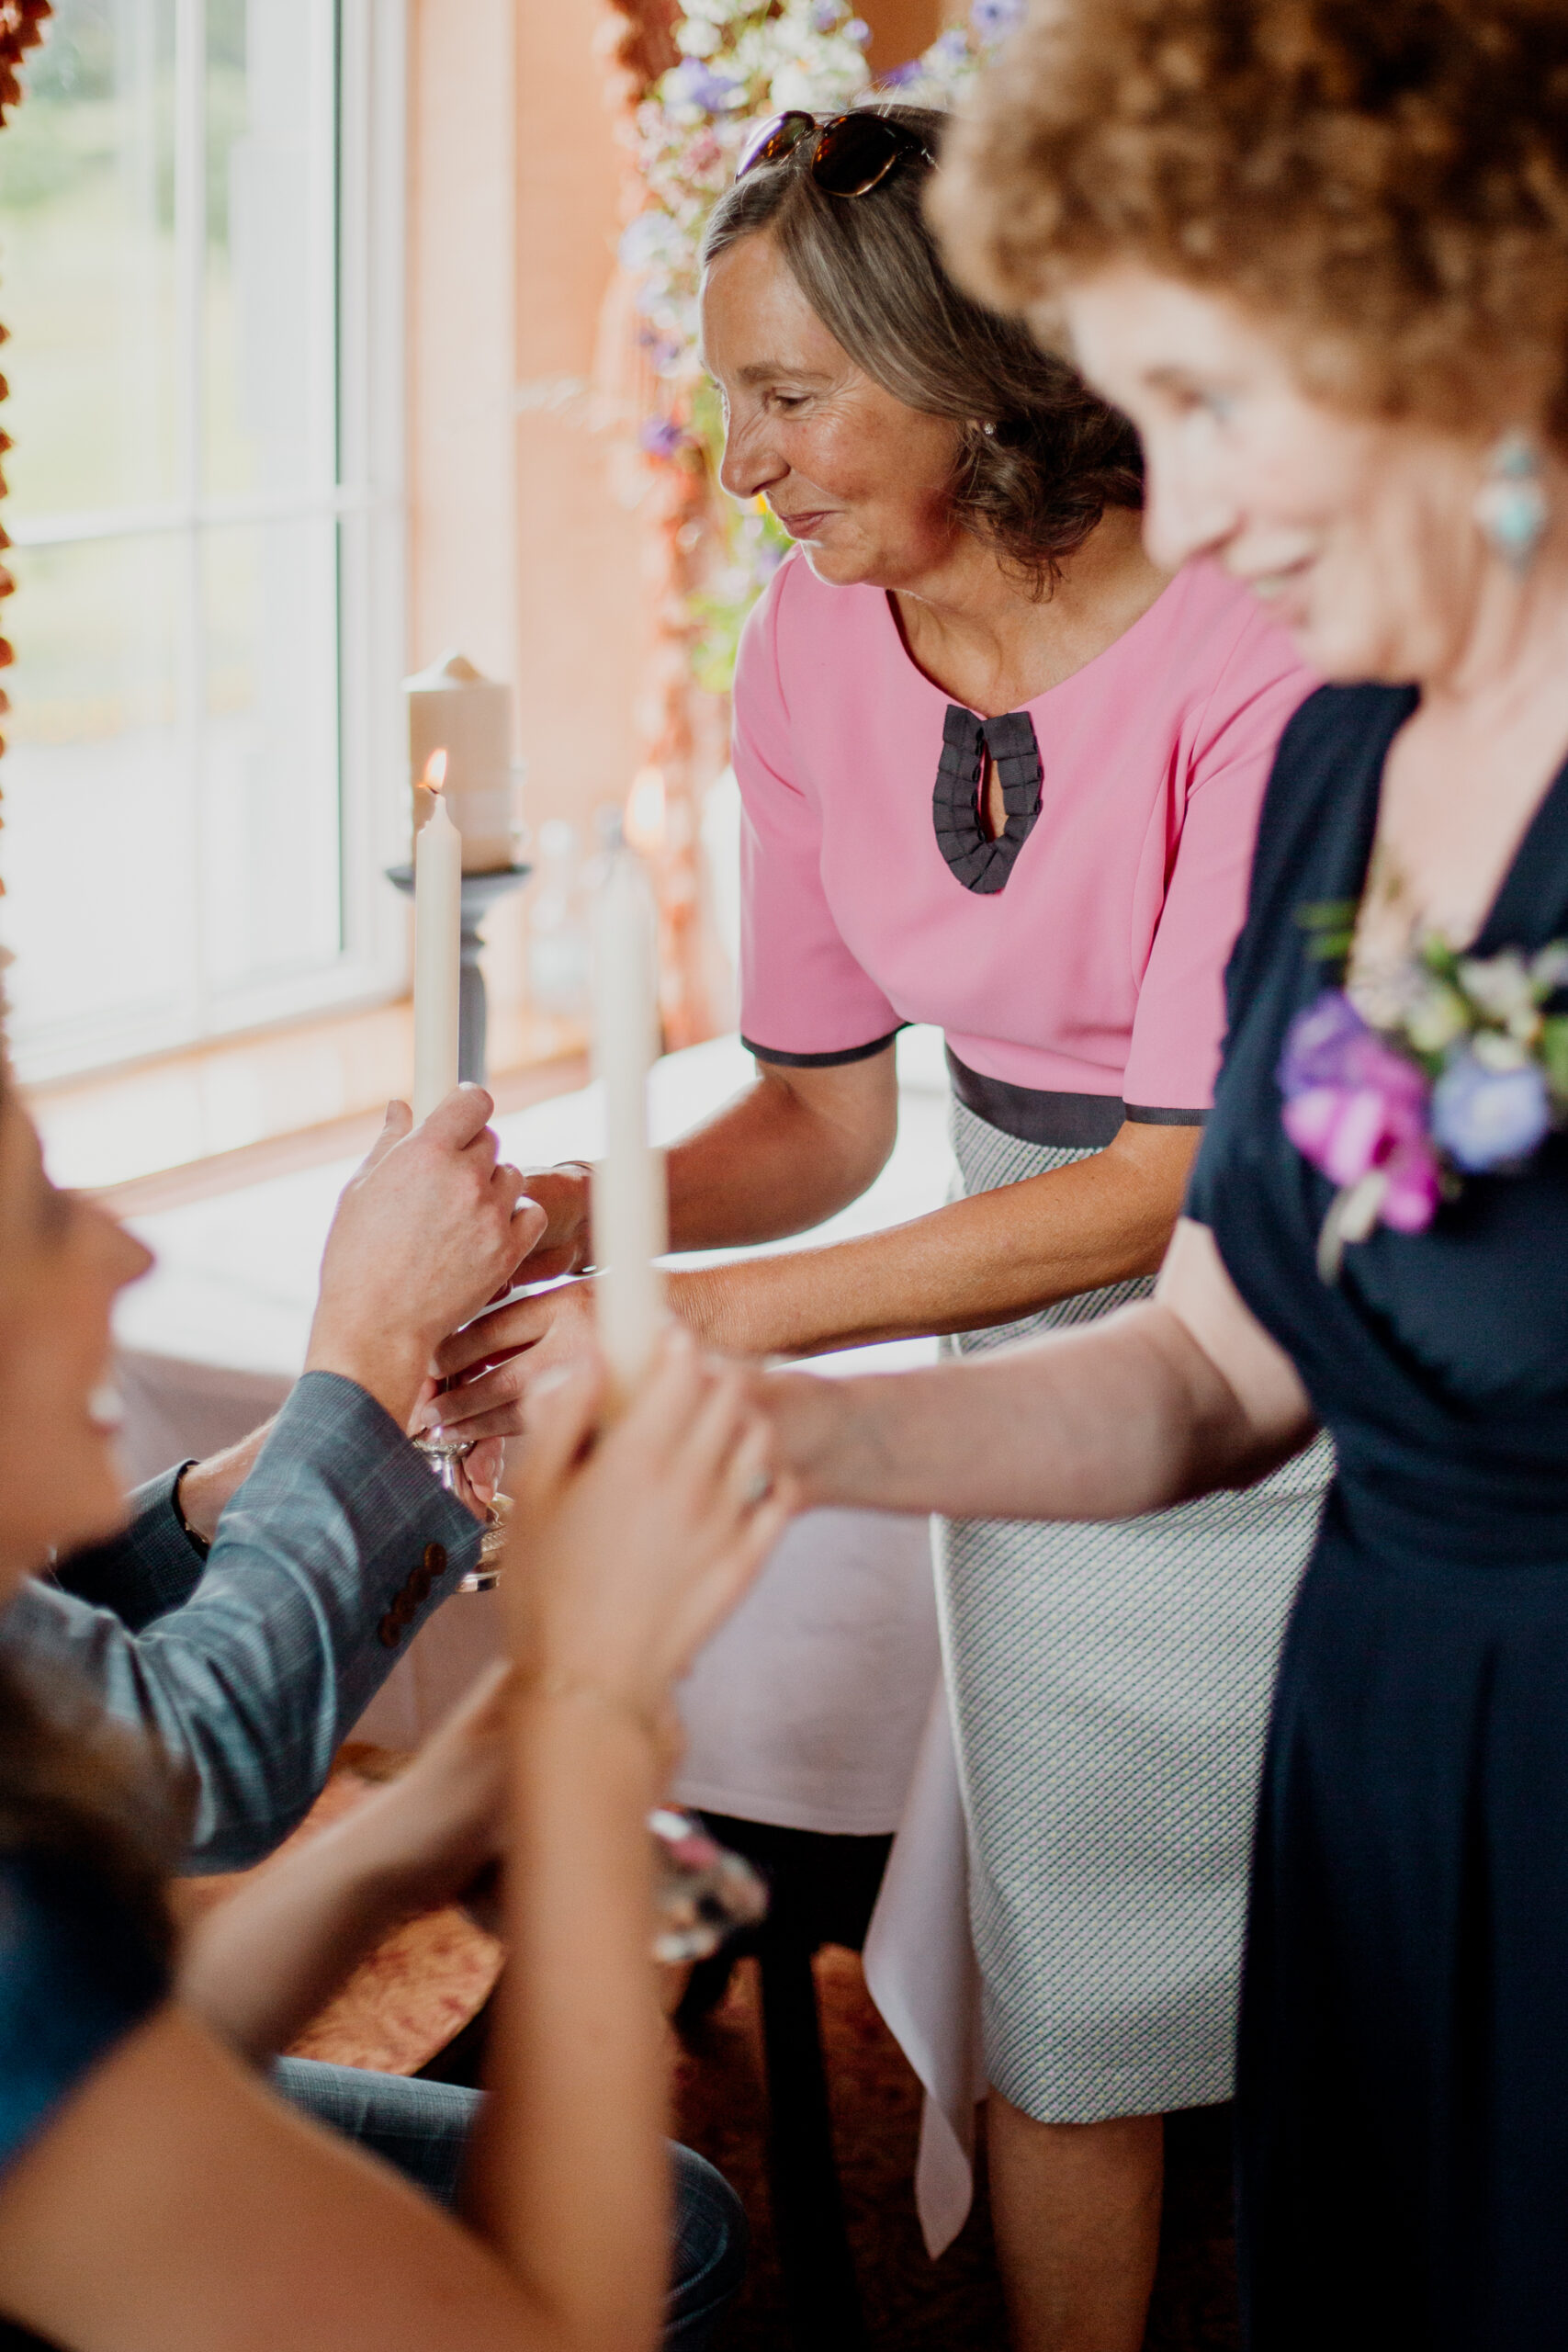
(1110, 1686)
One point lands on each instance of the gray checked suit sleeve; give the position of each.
(327, 1560)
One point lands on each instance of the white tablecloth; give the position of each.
(807, 1709)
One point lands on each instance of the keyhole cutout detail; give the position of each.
(992, 810)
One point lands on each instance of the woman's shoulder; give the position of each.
(78, 1970)
(1217, 635)
(1313, 831)
(796, 612)
(1335, 734)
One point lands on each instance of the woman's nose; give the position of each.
(129, 1258)
(748, 465)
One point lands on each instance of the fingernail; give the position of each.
(557, 1377)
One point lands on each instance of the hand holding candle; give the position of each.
(631, 1200)
(437, 947)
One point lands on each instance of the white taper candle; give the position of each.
(630, 1201)
(438, 949)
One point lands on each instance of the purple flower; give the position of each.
(993, 19)
(898, 76)
(825, 16)
(661, 436)
(1319, 1042)
(1489, 1118)
(693, 83)
(1354, 1106)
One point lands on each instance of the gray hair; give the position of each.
(1035, 485)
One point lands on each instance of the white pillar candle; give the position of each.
(469, 718)
(438, 948)
(631, 1200)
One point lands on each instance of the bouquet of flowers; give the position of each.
(741, 60)
(1465, 1076)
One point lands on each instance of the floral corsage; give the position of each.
(1464, 1076)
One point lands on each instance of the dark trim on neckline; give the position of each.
(822, 1062)
(981, 864)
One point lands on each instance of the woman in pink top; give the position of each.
(1001, 775)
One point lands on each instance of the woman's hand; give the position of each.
(263, 1964)
(493, 1362)
(424, 1836)
(562, 1248)
(630, 1551)
(426, 1231)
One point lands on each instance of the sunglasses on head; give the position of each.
(854, 153)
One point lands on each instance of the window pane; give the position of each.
(98, 842)
(270, 246)
(86, 251)
(269, 761)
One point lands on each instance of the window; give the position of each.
(200, 261)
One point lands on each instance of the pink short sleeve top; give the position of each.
(1096, 967)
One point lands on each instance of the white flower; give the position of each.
(1496, 1051)
(1500, 985)
(697, 36)
(1436, 1016)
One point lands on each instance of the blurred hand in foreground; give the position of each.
(630, 1547)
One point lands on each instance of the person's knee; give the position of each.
(709, 2253)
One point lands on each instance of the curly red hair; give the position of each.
(1385, 179)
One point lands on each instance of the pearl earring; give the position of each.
(1511, 506)
(988, 430)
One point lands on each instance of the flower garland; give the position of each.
(1465, 1076)
(738, 61)
(21, 28)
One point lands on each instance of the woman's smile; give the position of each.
(808, 523)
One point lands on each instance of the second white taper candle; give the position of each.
(631, 1200)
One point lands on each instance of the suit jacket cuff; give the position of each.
(151, 1567)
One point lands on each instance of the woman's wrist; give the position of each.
(390, 1366)
(734, 1309)
(815, 1421)
(555, 1687)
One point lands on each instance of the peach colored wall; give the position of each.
(519, 549)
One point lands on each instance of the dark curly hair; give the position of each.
(1035, 486)
(1385, 179)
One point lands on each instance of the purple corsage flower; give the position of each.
(1357, 1110)
(1467, 1079)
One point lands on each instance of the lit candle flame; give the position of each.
(435, 776)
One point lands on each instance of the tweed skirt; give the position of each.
(1110, 1687)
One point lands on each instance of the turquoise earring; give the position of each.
(1511, 506)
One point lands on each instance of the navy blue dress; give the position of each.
(1403, 2064)
(78, 1970)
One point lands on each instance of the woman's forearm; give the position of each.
(977, 1263)
(258, 1968)
(795, 1148)
(568, 2176)
(1124, 1416)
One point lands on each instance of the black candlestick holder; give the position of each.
(481, 892)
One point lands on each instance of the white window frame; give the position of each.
(369, 507)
